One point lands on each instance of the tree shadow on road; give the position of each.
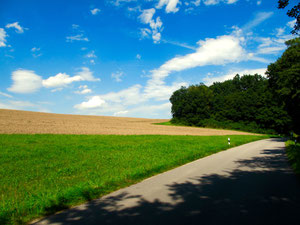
(261, 191)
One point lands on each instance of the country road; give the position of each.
(249, 184)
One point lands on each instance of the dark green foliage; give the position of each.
(294, 12)
(250, 103)
(284, 81)
(293, 154)
(244, 103)
(192, 111)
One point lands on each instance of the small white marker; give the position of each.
(228, 141)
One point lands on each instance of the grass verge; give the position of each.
(293, 154)
(42, 174)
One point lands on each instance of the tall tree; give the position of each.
(294, 12)
(284, 80)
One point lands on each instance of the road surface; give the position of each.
(249, 184)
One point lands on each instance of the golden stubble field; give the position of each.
(25, 122)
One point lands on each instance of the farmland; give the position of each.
(24, 122)
(50, 162)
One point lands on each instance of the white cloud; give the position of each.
(36, 52)
(270, 50)
(5, 95)
(156, 37)
(91, 54)
(258, 19)
(147, 15)
(35, 49)
(17, 105)
(231, 1)
(3, 36)
(211, 2)
(78, 34)
(138, 56)
(215, 2)
(209, 80)
(117, 76)
(95, 11)
(171, 5)
(129, 96)
(291, 24)
(62, 79)
(86, 74)
(78, 37)
(15, 25)
(83, 89)
(93, 102)
(155, 24)
(145, 32)
(120, 113)
(219, 51)
(196, 2)
(25, 81)
(258, 2)
(176, 43)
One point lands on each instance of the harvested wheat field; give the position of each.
(26, 122)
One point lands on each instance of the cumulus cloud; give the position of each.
(95, 11)
(221, 50)
(155, 24)
(147, 15)
(25, 81)
(86, 74)
(15, 25)
(218, 51)
(171, 5)
(83, 89)
(209, 80)
(93, 102)
(3, 36)
(62, 79)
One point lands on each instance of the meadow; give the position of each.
(43, 173)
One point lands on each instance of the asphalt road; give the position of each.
(249, 184)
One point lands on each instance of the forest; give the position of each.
(253, 103)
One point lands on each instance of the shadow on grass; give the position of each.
(293, 153)
(263, 190)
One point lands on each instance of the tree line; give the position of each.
(250, 102)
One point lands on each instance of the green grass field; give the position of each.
(41, 174)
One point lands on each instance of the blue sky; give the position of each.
(126, 57)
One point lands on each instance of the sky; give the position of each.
(127, 57)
